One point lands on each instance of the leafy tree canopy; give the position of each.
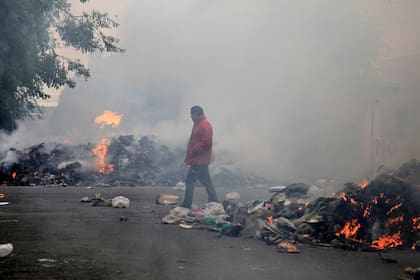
(30, 34)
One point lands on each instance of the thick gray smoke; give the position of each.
(291, 87)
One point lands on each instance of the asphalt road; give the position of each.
(57, 237)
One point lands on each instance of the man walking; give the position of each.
(198, 157)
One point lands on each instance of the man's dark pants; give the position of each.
(200, 172)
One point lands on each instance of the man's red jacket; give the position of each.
(199, 146)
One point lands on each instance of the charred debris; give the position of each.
(374, 215)
(380, 213)
(121, 161)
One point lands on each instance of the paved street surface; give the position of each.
(57, 237)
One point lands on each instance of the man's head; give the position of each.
(196, 113)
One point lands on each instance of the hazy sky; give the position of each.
(289, 86)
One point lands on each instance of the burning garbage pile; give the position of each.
(114, 161)
(121, 161)
(381, 214)
(375, 215)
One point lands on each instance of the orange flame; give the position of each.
(343, 196)
(270, 219)
(108, 118)
(364, 183)
(350, 230)
(416, 223)
(395, 220)
(100, 153)
(395, 207)
(14, 174)
(366, 212)
(393, 240)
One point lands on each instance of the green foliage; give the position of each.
(28, 52)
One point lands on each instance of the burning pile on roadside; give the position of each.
(114, 161)
(122, 161)
(375, 215)
(381, 214)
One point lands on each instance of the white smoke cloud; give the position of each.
(288, 86)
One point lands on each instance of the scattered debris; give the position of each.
(186, 226)
(375, 215)
(214, 209)
(85, 199)
(47, 262)
(120, 202)
(232, 196)
(411, 274)
(170, 219)
(276, 189)
(167, 199)
(297, 190)
(5, 249)
(180, 186)
(98, 200)
(176, 215)
(287, 247)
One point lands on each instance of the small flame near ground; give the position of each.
(108, 118)
(364, 184)
(416, 223)
(342, 195)
(392, 240)
(350, 229)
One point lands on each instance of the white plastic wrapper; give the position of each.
(214, 209)
(5, 249)
(179, 212)
(232, 196)
(120, 202)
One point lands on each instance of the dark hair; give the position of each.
(197, 110)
